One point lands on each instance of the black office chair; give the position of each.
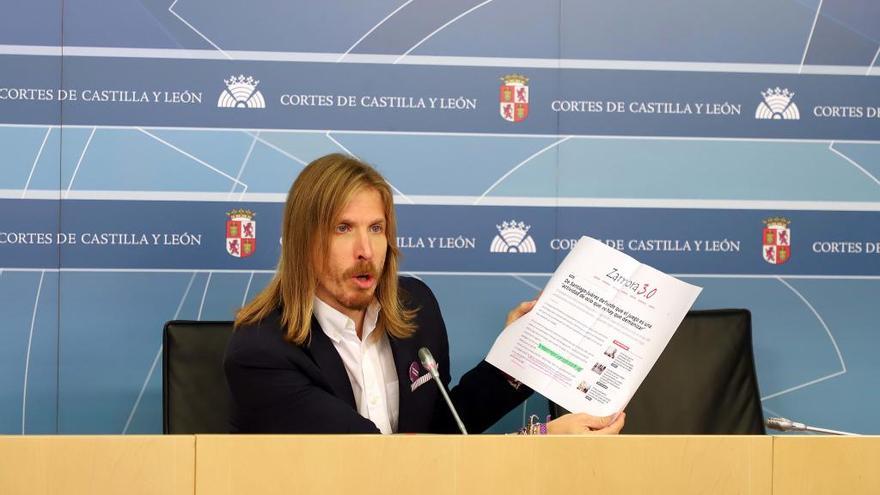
(703, 383)
(195, 398)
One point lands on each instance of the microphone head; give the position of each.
(779, 424)
(784, 424)
(427, 360)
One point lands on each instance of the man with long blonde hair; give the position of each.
(331, 344)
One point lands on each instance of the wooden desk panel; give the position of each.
(97, 465)
(302, 464)
(410, 465)
(482, 464)
(822, 465)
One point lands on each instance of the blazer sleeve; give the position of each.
(483, 395)
(272, 394)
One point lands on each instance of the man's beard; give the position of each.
(361, 298)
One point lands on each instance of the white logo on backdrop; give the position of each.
(777, 105)
(241, 92)
(513, 237)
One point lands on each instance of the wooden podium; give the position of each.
(435, 464)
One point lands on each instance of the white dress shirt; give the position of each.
(368, 362)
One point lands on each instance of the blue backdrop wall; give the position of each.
(676, 131)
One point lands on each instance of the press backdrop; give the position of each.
(132, 131)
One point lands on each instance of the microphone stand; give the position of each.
(430, 364)
(784, 424)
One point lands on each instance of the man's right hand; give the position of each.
(517, 312)
(585, 424)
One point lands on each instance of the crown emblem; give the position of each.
(241, 92)
(241, 213)
(513, 237)
(513, 228)
(772, 93)
(780, 222)
(515, 79)
(777, 105)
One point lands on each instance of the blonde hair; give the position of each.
(313, 205)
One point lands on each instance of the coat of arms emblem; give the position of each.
(514, 98)
(241, 233)
(777, 240)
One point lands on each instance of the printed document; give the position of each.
(596, 331)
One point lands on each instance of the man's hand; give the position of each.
(517, 312)
(584, 424)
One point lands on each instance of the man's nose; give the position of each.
(363, 247)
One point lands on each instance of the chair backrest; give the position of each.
(195, 398)
(704, 381)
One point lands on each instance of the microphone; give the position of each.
(430, 364)
(784, 424)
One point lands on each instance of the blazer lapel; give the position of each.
(404, 352)
(326, 357)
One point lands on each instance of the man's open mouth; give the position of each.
(364, 280)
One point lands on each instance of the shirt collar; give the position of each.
(336, 324)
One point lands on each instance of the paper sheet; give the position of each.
(596, 331)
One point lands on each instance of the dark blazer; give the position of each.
(278, 387)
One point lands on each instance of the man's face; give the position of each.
(348, 272)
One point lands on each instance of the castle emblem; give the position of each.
(241, 233)
(776, 241)
(514, 98)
